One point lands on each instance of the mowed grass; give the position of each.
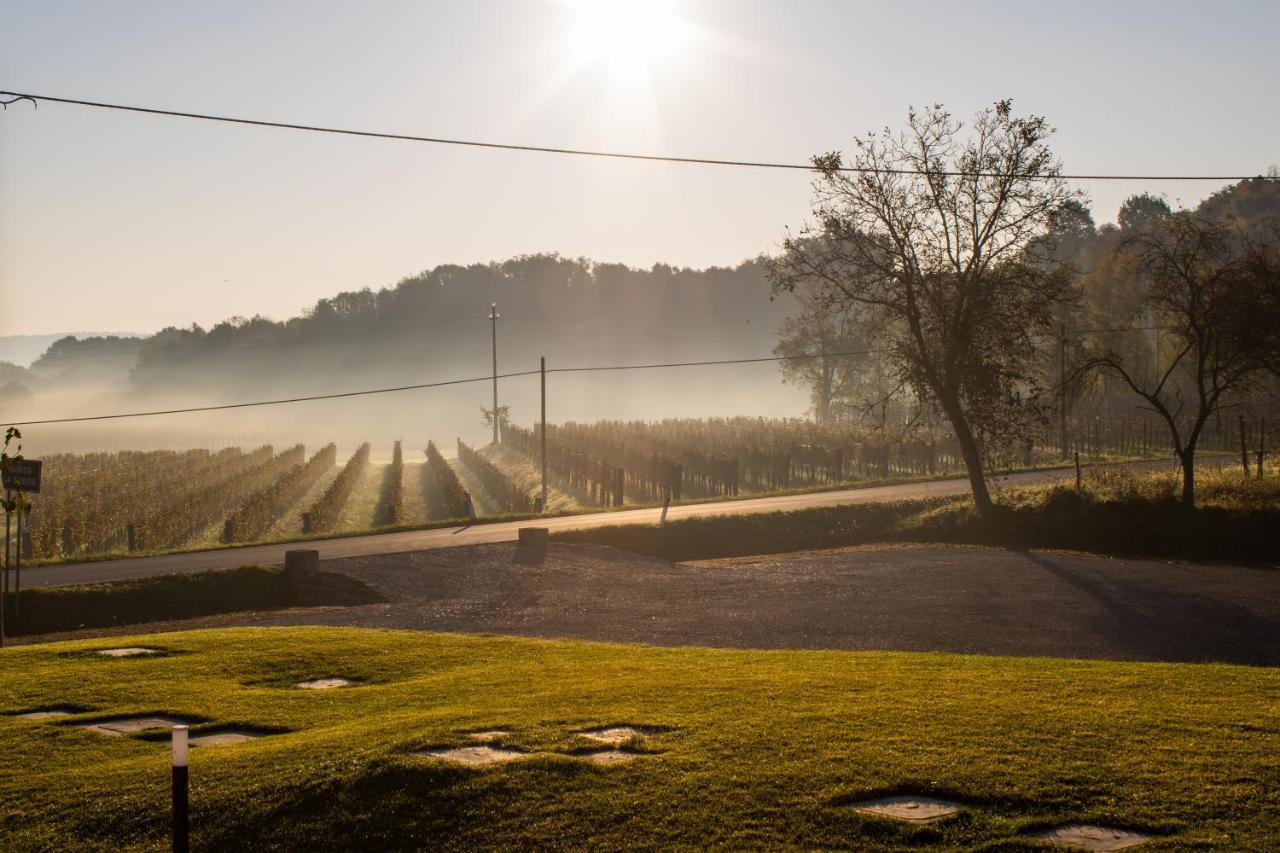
(748, 749)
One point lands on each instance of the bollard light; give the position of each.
(179, 761)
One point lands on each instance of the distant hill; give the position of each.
(22, 350)
(435, 327)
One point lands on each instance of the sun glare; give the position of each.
(630, 37)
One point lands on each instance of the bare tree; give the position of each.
(1202, 283)
(931, 230)
(825, 347)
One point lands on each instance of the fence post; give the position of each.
(1262, 452)
(1077, 457)
(1244, 448)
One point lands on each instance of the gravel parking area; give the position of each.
(935, 598)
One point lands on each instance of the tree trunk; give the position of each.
(972, 456)
(1188, 460)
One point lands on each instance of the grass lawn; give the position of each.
(747, 749)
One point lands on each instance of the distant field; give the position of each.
(740, 749)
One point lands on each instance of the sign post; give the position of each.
(21, 476)
(4, 588)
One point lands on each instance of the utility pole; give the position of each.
(1062, 388)
(543, 371)
(493, 318)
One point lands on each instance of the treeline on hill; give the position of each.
(568, 309)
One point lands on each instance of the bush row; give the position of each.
(323, 514)
(441, 487)
(255, 515)
(504, 491)
(390, 509)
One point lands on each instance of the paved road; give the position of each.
(419, 540)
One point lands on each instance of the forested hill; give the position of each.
(435, 325)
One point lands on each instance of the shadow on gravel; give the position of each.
(1156, 621)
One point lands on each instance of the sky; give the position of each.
(113, 221)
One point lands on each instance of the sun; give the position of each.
(632, 38)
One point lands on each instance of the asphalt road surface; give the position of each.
(419, 540)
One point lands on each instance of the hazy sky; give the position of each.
(127, 222)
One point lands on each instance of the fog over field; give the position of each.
(432, 327)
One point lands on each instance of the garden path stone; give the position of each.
(488, 735)
(224, 738)
(46, 714)
(128, 652)
(1091, 837)
(324, 683)
(475, 756)
(613, 734)
(908, 807)
(608, 756)
(131, 725)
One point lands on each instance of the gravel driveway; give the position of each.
(913, 598)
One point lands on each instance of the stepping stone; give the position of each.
(127, 652)
(910, 808)
(223, 738)
(607, 756)
(131, 725)
(613, 734)
(47, 714)
(1090, 837)
(488, 735)
(475, 756)
(325, 683)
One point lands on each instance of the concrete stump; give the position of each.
(301, 568)
(534, 536)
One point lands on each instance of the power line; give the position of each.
(717, 361)
(494, 377)
(488, 378)
(223, 406)
(579, 152)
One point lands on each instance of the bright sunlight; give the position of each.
(632, 37)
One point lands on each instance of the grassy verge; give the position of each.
(1117, 512)
(166, 597)
(746, 749)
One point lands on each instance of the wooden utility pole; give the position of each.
(1062, 388)
(543, 372)
(493, 319)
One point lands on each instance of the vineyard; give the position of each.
(131, 501)
(117, 503)
(610, 463)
